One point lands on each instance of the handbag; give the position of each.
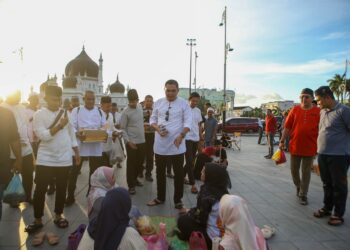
(75, 237)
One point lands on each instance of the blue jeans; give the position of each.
(2, 188)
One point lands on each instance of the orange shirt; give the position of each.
(303, 126)
(270, 124)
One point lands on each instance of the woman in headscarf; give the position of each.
(102, 180)
(205, 216)
(110, 230)
(240, 230)
(205, 156)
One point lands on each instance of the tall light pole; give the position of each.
(191, 42)
(227, 48)
(195, 70)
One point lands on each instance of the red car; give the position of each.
(240, 124)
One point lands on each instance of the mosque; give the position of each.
(81, 74)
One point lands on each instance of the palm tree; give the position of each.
(336, 84)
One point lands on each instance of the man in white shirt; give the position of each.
(86, 117)
(192, 139)
(30, 110)
(131, 123)
(172, 119)
(12, 103)
(57, 139)
(116, 121)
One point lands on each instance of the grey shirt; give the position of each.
(131, 122)
(209, 128)
(334, 131)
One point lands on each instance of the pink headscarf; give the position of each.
(240, 230)
(101, 181)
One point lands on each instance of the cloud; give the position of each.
(336, 35)
(314, 67)
(243, 98)
(272, 97)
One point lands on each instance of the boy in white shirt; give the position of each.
(57, 139)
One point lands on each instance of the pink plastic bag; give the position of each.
(157, 241)
(197, 241)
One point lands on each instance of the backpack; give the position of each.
(75, 237)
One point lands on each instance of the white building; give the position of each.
(239, 111)
(282, 105)
(82, 74)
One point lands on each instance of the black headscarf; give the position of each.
(216, 179)
(108, 228)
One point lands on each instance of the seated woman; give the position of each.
(240, 230)
(220, 154)
(206, 156)
(205, 216)
(110, 229)
(103, 180)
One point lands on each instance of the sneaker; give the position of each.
(132, 191)
(303, 200)
(149, 178)
(139, 184)
(69, 201)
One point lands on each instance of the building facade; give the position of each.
(239, 111)
(281, 105)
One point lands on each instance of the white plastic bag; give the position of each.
(117, 154)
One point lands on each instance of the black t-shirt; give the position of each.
(223, 154)
(8, 134)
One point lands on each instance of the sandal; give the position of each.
(179, 205)
(38, 239)
(155, 202)
(322, 213)
(52, 238)
(194, 190)
(31, 228)
(61, 222)
(335, 221)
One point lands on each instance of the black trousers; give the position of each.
(270, 139)
(187, 225)
(260, 130)
(27, 174)
(149, 154)
(105, 160)
(94, 163)
(43, 175)
(333, 170)
(177, 163)
(191, 150)
(134, 163)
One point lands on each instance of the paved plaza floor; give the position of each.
(267, 188)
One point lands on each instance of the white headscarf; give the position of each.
(240, 230)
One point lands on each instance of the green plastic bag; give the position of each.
(14, 193)
(177, 244)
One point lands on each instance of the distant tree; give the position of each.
(336, 85)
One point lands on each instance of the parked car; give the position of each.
(240, 124)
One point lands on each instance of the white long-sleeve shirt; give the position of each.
(54, 151)
(180, 117)
(83, 118)
(110, 129)
(20, 115)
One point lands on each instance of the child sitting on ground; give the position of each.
(205, 216)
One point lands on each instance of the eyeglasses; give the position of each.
(167, 113)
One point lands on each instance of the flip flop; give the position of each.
(155, 202)
(38, 239)
(335, 221)
(52, 238)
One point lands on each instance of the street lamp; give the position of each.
(191, 42)
(227, 48)
(195, 70)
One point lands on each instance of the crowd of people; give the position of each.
(173, 133)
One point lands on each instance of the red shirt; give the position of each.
(270, 124)
(303, 126)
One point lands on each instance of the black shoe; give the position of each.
(268, 156)
(69, 201)
(303, 200)
(132, 191)
(139, 184)
(298, 192)
(149, 178)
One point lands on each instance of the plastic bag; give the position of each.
(177, 244)
(197, 241)
(282, 158)
(157, 241)
(277, 155)
(14, 193)
(117, 154)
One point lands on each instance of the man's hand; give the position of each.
(81, 135)
(178, 141)
(281, 145)
(77, 159)
(116, 134)
(132, 145)
(17, 165)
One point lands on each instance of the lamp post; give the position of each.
(227, 48)
(191, 42)
(195, 70)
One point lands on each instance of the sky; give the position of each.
(280, 46)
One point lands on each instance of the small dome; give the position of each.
(117, 87)
(49, 81)
(69, 82)
(81, 64)
(43, 86)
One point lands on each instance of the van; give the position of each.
(240, 124)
